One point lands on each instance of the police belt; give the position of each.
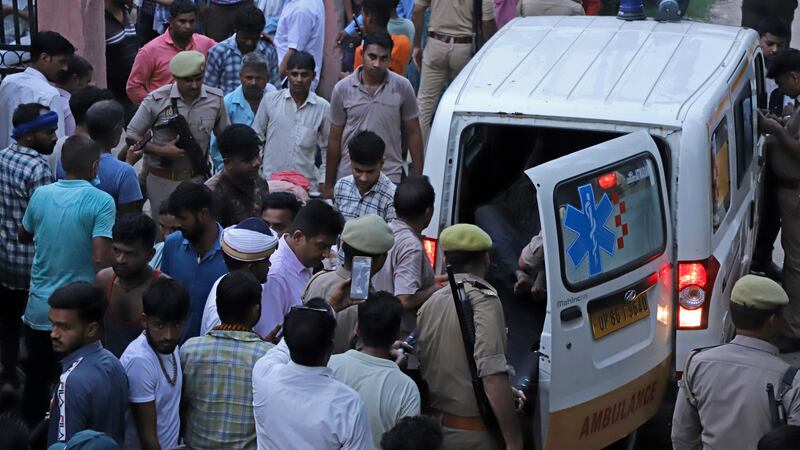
(460, 422)
(174, 175)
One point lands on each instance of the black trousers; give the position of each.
(754, 11)
(769, 221)
(40, 374)
(12, 305)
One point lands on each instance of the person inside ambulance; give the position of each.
(530, 275)
(724, 400)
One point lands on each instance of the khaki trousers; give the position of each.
(441, 62)
(789, 205)
(527, 8)
(467, 440)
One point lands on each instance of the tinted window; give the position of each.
(744, 133)
(609, 221)
(720, 173)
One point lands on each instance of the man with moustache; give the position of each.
(92, 390)
(193, 255)
(152, 363)
(23, 168)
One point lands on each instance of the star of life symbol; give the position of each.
(589, 225)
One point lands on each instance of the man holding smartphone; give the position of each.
(366, 239)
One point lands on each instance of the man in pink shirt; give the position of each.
(151, 67)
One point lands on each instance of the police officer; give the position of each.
(367, 236)
(166, 165)
(784, 161)
(722, 401)
(443, 360)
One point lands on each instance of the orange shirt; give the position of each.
(401, 54)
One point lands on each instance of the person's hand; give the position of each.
(417, 57)
(132, 156)
(172, 151)
(441, 280)
(270, 337)
(519, 399)
(768, 124)
(399, 352)
(539, 287)
(523, 282)
(340, 297)
(340, 38)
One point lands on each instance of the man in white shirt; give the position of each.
(293, 123)
(49, 54)
(152, 363)
(388, 394)
(296, 401)
(246, 247)
(301, 28)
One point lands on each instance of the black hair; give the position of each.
(774, 26)
(785, 437)
(414, 433)
(380, 38)
(83, 98)
(190, 196)
(309, 334)
(318, 218)
(301, 60)
(103, 117)
(379, 10)
(366, 148)
(787, 60)
(135, 228)
(76, 66)
(463, 261)
(237, 293)
(750, 319)
(282, 200)
(379, 319)
(88, 300)
(15, 435)
(250, 20)
(166, 299)
(27, 112)
(413, 197)
(179, 7)
(163, 209)
(51, 43)
(239, 141)
(79, 153)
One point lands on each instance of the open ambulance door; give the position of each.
(607, 339)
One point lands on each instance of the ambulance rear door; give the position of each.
(607, 339)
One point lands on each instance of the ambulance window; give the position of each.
(610, 221)
(720, 174)
(744, 133)
(761, 92)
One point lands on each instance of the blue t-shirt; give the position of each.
(63, 217)
(118, 178)
(180, 261)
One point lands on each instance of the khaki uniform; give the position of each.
(206, 114)
(527, 8)
(443, 363)
(729, 383)
(321, 285)
(786, 167)
(443, 60)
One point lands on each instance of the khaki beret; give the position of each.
(187, 64)
(368, 234)
(464, 237)
(758, 293)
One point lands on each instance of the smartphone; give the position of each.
(143, 141)
(359, 283)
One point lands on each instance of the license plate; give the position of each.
(612, 318)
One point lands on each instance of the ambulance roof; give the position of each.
(598, 68)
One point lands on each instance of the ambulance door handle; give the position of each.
(571, 313)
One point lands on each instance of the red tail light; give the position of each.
(430, 245)
(695, 284)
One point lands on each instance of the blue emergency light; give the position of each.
(631, 10)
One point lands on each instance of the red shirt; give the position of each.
(151, 67)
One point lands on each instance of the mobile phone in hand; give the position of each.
(362, 271)
(143, 141)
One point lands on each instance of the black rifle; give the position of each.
(777, 408)
(186, 140)
(477, 25)
(466, 323)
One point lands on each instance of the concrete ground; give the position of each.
(729, 12)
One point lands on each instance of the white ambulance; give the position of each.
(632, 147)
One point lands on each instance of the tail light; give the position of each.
(430, 245)
(695, 284)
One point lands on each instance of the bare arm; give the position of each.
(498, 390)
(144, 416)
(282, 72)
(418, 17)
(101, 253)
(416, 148)
(489, 29)
(411, 302)
(332, 158)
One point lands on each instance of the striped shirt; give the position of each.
(378, 200)
(22, 170)
(121, 47)
(224, 64)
